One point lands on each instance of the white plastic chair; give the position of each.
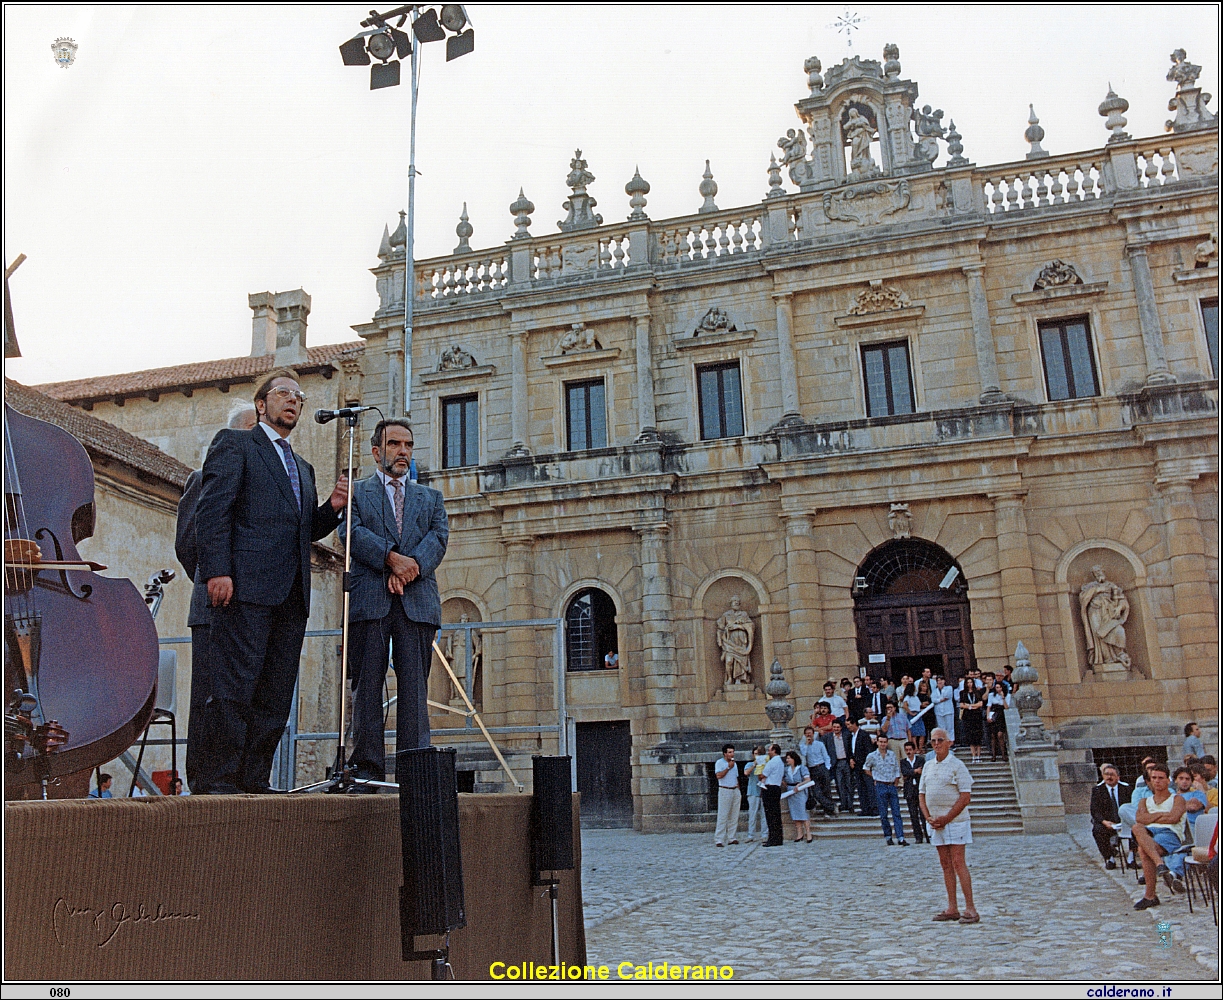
(163, 709)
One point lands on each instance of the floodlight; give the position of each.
(381, 46)
(460, 45)
(426, 27)
(353, 52)
(403, 44)
(384, 75)
(453, 17)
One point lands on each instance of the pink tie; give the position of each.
(398, 487)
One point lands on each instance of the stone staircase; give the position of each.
(994, 809)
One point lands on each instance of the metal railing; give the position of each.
(284, 765)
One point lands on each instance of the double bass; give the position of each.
(80, 650)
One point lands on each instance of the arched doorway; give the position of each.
(590, 630)
(911, 612)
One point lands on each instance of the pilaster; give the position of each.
(1148, 316)
(983, 336)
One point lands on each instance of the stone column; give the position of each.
(808, 657)
(1196, 624)
(646, 416)
(789, 365)
(1020, 613)
(657, 630)
(983, 336)
(519, 676)
(1148, 316)
(518, 401)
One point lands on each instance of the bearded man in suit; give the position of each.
(257, 515)
(399, 536)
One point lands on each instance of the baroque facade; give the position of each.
(901, 416)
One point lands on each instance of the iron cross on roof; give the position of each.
(847, 24)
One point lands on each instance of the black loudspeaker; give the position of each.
(431, 900)
(551, 815)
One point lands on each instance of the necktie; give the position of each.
(1113, 792)
(397, 486)
(291, 466)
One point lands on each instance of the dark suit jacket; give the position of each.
(911, 772)
(865, 745)
(425, 534)
(857, 703)
(187, 550)
(1102, 807)
(247, 523)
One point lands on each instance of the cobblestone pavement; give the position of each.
(1048, 910)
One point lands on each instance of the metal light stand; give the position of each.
(342, 779)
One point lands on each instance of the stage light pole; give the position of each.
(429, 24)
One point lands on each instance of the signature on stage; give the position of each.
(106, 922)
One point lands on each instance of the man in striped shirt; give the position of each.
(883, 766)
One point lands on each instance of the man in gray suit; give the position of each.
(242, 417)
(399, 535)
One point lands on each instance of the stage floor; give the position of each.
(261, 887)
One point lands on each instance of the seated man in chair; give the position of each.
(1159, 831)
(1106, 799)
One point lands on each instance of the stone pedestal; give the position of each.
(739, 692)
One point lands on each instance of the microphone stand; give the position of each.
(342, 779)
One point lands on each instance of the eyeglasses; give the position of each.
(282, 394)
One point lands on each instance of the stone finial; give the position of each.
(1033, 134)
(399, 238)
(1112, 109)
(521, 209)
(579, 204)
(812, 67)
(384, 248)
(637, 189)
(463, 230)
(775, 188)
(1183, 72)
(955, 148)
(1027, 699)
(891, 63)
(779, 711)
(707, 189)
(1189, 102)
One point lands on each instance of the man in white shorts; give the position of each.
(944, 794)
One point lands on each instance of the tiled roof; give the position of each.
(199, 374)
(97, 435)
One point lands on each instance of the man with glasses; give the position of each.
(257, 515)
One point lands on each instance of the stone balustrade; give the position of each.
(791, 221)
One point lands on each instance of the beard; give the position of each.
(284, 420)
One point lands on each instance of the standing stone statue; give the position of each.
(736, 633)
(859, 132)
(1105, 610)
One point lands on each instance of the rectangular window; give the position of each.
(1210, 320)
(460, 432)
(885, 373)
(1070, 370)
(586, 414)
(721, 401)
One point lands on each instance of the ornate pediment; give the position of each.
(878, 298)
(1055, 274)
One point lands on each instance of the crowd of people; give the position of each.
(1156, 817)
(864, 751)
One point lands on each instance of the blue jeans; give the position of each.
(885, 795)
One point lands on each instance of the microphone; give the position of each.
(326, 416)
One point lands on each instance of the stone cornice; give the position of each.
(1198, 274)
(712, 340)
(1059, 293)
(458, 374)
(879, 318)
(581, 357)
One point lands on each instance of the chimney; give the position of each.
(292, 308)
(263, 326)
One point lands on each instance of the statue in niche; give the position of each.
(1104, 610)
(579, 338)
(900, 520)
(794, 149)
(859, 132)
(454, 359)
(715, 320)
(1055, 274)
(736, 634)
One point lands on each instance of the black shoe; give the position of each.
(1142, 880)
(903, 843)
(1146, 904)
(1110, 864)
(891, 844)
